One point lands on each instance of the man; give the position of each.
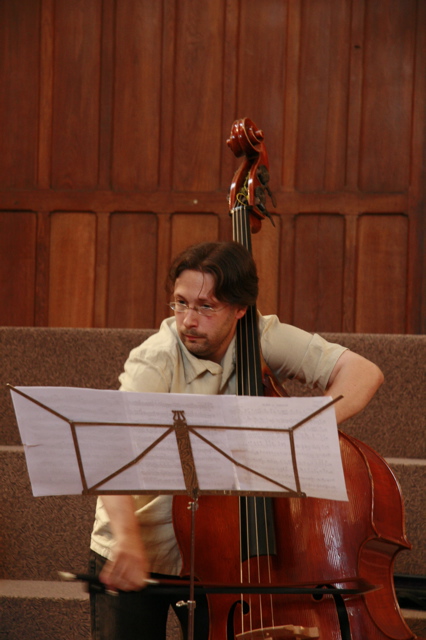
(211, 286)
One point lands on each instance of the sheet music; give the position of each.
(125, 424)
(268, 452)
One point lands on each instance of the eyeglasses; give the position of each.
(202, 309)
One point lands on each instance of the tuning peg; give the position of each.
(263, 174)
(260, 204)
(272, 196)
(263, 177)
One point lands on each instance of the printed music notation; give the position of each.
(96, 441)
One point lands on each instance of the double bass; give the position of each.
(324, 568)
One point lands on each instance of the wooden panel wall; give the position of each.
(113, 122)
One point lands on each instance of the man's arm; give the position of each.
(128, 569)
(357, 380)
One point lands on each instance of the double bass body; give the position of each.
(318, 543)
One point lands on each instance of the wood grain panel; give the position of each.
(319, 259)
(191, 228)
(266, 252)
(338, 96)
(101, 269)
(291, 93)
(72, 269)
(349, 274)
(125, 106)
(323, 94)
(137, 95)
(286, 273)
(47, 39)
(43, 268)
(354, 107)
(106, 107)
(381, 274)
(76, 90)
(19, 94)
(17, 268)
(132, 270)
(387, 95)
(261, 72)
(197, 143)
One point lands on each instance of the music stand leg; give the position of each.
(191, 604)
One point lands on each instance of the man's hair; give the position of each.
(231, 265)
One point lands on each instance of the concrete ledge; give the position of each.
(40, 536)
(416, 620)
(50, 589)
(51, 610)
(43, 610)
(412, 479)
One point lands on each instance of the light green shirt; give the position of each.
(163, 364)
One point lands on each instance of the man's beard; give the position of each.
(201, 348)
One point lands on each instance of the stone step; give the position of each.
(50, 610)
(39, 610)
(59, 357)
(39, 536)
(411, 475)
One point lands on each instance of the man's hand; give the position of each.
(128, 569)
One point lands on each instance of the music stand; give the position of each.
(59, 420)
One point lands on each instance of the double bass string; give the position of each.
(249, 382)
(244, 376)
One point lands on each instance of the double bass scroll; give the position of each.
(250, 185)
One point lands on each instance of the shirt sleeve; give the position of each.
(149, 367)
(294, 353)
(143, 377)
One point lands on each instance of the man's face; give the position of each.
(206, 337)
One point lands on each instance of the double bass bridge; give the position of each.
(281, 632)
